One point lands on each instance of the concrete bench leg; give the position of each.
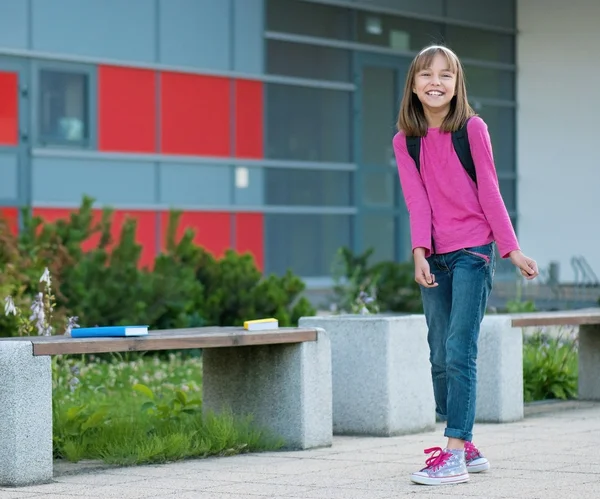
(286, 388)
(499, 371)
(589, 362)
(25, 415)
(381, 374)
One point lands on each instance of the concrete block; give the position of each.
(589, 362)
(499, 371)
(286, 388)
(25, 415)
(381, 375)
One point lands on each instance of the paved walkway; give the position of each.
(548, 455)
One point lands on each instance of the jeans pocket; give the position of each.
(484, 253)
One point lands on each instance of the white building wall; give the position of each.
(558, 131)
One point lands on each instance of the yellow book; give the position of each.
(261, 324)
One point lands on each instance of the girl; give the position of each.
(454, 223)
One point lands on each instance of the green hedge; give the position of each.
(186, 286)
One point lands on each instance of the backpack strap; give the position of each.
(460, 141)
(413, 145)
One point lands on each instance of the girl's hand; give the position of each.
(423, 274)
(527, 266)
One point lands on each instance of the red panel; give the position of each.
(213, 229)
(11, 215)
(127, 109)
(249, 235)
(195, 115)
(248, 119)
(9, 108)
(145, 234)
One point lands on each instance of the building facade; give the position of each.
(267, 122)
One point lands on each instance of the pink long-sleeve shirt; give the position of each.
(447, 210)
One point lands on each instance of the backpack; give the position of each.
(460, 141)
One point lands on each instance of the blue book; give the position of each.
(109, 331)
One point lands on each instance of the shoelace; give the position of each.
(471, 451)
(438, 457)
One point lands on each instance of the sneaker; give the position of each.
(476, 463)
(445, 466)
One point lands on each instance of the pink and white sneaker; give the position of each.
(445, 466)
(476, 463)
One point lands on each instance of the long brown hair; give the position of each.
(411, 118)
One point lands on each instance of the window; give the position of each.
(431, 7)
(479, 44)
(508, 189)
(378, 188)
(379, 233)
(306, 244)
(64, 107)
(501, 126)
(396, 32)
(308, 187)
(492, 13)
(308, 61)
(311, 19)
(308, 124)
(490, 83)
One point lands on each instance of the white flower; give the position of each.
(38, 315)
(46, 276)
(71, 323)
(9, 306)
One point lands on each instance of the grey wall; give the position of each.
(200, 34)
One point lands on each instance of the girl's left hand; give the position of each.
(527, 266)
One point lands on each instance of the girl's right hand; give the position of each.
(423, 274)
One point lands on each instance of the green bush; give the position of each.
(185, 287)
(384, 286)
(550, 366)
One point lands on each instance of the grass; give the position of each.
(141, 411)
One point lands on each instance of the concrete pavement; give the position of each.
(551, 454)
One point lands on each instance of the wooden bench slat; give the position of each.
(174, 339)
(558, 318)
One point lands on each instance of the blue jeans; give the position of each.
(454, 311)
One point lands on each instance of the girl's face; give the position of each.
(435, 85)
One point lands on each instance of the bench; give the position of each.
(282, 377)
(500, 360)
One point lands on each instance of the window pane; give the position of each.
(306, 244)
(480, 44)
(501, 126)
(396, 32)
(378, 188)
(307, 61)
(379, 233)
(378, 112)
(309, 124)
(63, 107)
(431, 7)
(307, 18)
(508, 190)
(308, 187)
(490, 83)
(504, 267)
(500, 13)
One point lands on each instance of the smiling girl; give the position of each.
(455, 224)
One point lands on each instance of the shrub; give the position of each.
(385, 286)
(185, 287)
(550, 366)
